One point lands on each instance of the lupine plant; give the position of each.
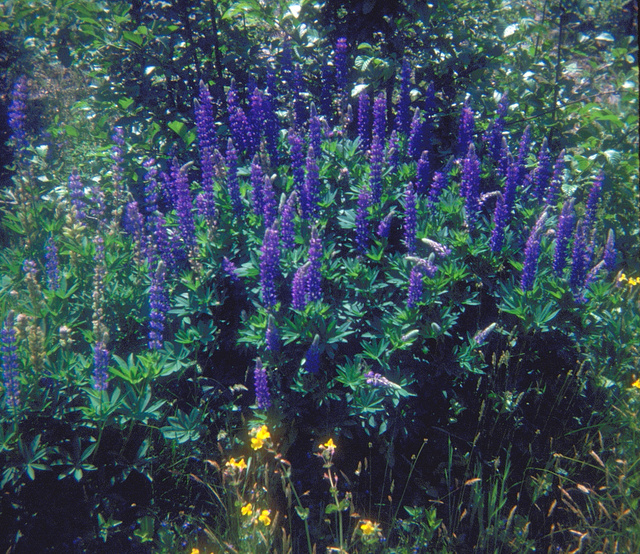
(262, 293)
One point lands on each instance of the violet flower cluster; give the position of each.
(564, 231)
(532, 253)
(18, 113)
(183, 205)
(542, 172)
(364, 120)
(422, 174)
(470, 186)
(270, 266)
(159, 304)
(504, 207)
(410, 218)
(261, 383)
(466, 129)
(233, 186)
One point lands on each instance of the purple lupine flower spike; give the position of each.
(51, 257)
(312, 357)
(579, 258)
(311, 190)
(532, 253)
(297, 162)
(542, 172)
(566, 221)
(416, 280)
(591, 206)
(404, 99)
(263, 397)
(18, 113)
(76, 194)
(362, 220)
(315, 131)
(342, 73)
(272, 337)
(257, 180)
(375, 176)
(150, 187)
(183, 204)
(10, 366)
(393, 150)
(380, 117)
(270, 266)
(494, 133)
(159, 304)
(410, 218)
(257, 115)
(504, 207)
(610, 253)
(298, 288)
(204, 119)
(437, 186)
(364, 120)
(233, 186)
(470, 186)
(422, 174)
(505, 158)
(101, 358)
(385, 225)
(271, 127)
(416, 136)
(313, 282)
(466, 129)
(287, 223)
(556, 180)
(269, 203)
(230, 270)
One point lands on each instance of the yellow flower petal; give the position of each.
(636, 383)
(367, 527)
(246, 510)
(264, 517)
(257, 443)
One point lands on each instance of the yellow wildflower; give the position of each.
(261, 435)
(195, 551)
(246, 510)
(329, 445)
(368, 528)
(636, 383)
(264, 517)
(240, 464)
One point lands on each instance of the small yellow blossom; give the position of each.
(264, 517)
(246, 510)
(195, 551)
(261, 434)
(329, 445)
(240, 464)
(636, 383)
(368, 528)
(633, 281)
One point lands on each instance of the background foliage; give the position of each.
(446, 440)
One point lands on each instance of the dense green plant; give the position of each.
(132, 314)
